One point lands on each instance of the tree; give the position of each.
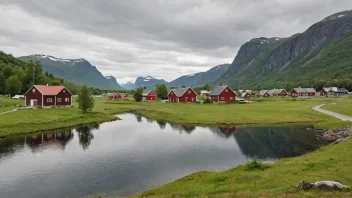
(161, 91)
(2, 83)
(138, 94)
(13, 85)
(85, 99)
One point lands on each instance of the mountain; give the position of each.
(128, 86)
(318, 57)
(201, 78)
(77, 71)
(148, 81)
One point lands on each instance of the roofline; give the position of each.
(183, 92)
(48, 94)
(226, 86)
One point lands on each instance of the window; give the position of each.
(64, 91)
(49, 100)
(189, 91)
(67, 99)
(192, 99)
(226, 90)
(222, 98)
(59, 100)
(231, 98)
(33, 90)
(186, 98)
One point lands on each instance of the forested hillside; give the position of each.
(17, 76)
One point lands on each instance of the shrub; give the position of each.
(207, 100)
(255, 165)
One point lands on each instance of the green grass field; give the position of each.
(279, 180)
(262, 112)
(342, 107)
(7, 104)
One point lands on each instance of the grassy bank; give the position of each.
(341, 106)
(7, 104)
(260, 111)
(280, 179)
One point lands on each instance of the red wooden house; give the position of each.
(115, 96)
(303, 92)
(246, 95)
(278, 92)
(182, 95)
(149, 95)
(264, 93)
(325, 92)
(46, 96)
(222, 94)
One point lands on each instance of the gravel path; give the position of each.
(336, 115)
(8, 111)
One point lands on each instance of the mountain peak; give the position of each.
(339, 15)
(52, 58)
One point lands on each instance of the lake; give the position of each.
(125, 157)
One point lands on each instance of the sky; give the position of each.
(161, 38)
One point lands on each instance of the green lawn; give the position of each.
(7, 104)
(342, 107)
(280, 179)
(263, 112)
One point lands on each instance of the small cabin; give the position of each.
(149, 95)
(48, 96)
(222, 94)
(182, 95)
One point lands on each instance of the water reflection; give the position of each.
(39, 142)
(85, 135)
(123, 157)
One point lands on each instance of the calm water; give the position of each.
(124, 157)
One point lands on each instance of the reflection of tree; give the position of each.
(85, 135)
(42, 141)
(224, 132)
(149, 120)
(10, 145)
(275, 142)
(161, 123)
(138, 117)
(182, 128)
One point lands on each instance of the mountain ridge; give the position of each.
(78, 71)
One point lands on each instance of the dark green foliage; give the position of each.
(138, 94)
(207, 100)
(13, 85)
(85, 99)
(205, 87)
(161, 91)
(255, 165)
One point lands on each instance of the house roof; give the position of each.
(49, 90)
(310, 89)
(180, 91)
(146, 92)
(262, 92)
(276, 91)
(244, 93)
(217, 90)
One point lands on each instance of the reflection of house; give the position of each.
(333, 91)
(182, 128)
(224, 132)
(303, 92)
(182, 95)
(44, 95)
(49, 140)
(222, 94)
(149, 95)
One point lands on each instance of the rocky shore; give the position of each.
(336, 135)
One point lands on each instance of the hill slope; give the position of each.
(77, 71)
(318, 57)
(148, 81)
(201, 78)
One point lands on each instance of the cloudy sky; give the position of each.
(161, 38)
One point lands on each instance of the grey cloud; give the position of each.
(124, 37)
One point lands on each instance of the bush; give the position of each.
(255, 165)
(207, 100)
